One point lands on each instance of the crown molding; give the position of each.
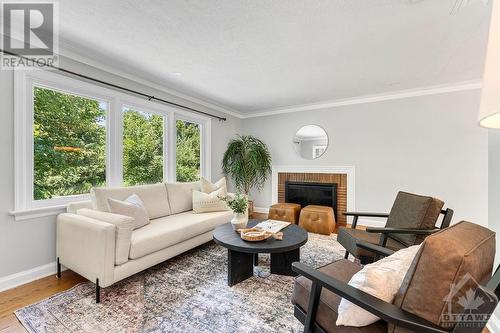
(393, 95)
(68, 53)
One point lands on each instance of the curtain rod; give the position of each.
(148, 97)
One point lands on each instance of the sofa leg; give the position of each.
(346, 256)
(97, 291)
(58, 269)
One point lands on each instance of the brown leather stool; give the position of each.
(288, 212)
(317, 219)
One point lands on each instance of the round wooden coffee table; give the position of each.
(243, 255)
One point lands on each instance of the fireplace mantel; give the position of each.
(348, 170)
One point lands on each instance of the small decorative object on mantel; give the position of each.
(238, 204)
(257, 235)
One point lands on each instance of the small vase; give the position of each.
(239, 221)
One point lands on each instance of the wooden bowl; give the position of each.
(253, 235)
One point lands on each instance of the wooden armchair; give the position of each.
(412, 218)
(431, 298)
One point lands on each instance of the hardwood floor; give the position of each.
(32, 292)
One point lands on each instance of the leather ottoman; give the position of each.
(288, 212)
(317, 219)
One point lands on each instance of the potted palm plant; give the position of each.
(247, 162)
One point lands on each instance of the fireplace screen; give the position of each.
(323, 194)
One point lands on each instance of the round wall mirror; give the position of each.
(310, 141)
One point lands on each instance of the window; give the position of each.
(72, 135)
(142, 147)
(69, 144)
(188, 151)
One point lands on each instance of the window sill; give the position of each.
(32, 213)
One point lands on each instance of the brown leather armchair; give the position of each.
(451, 266)
(412, 218)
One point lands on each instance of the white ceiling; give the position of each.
(255, 55)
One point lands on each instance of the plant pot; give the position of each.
(239, 221)
(250, 208)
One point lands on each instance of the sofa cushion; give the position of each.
(209, 187)
(327, 312)
(154, 196)
(209, 202)
(449, 264)
(413, 211)
(133, 207)
(181, 196)
(170, 230)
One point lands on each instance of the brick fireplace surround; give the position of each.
(342, 176)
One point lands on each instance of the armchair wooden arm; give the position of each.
(380, 251)
(381, 309)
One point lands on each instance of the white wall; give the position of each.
(28, 244)
(429, 144)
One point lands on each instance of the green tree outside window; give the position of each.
(188, 151)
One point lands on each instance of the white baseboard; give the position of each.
(261, 210)
(493, 324)
(17, 279)
(371, 223)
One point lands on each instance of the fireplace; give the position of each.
(342, 177)
(311, 193)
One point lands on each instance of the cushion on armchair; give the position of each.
(461, 256)
(413, 211)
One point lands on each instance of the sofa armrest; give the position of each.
(72, 207)
(86, 246)
(124, 227)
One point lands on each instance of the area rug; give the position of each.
(188, 293)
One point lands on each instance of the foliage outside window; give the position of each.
(69, 144)
(142, 147)
(187, 151)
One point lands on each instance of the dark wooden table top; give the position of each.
(293, 238)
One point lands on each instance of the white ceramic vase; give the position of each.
(239, 220)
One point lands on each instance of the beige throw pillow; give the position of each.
(381, 279)
(124, 226)
(133, 207)
(209, 187)
(204, 203)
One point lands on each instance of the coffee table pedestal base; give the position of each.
(281, 263)
(241, 264)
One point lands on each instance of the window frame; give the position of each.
(25, 206)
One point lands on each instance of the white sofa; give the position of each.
(102, 247)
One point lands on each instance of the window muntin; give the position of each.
(143, 150)
(188, 152)
(69, 144)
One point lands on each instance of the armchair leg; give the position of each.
(97, 291)
(312, 307)
(346, 256)
(58, 269)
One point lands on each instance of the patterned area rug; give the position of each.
(188, 293)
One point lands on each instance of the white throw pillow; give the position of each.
(204, 203)
(124, 226)
(133, 207)
(381, 279)
(209, 187)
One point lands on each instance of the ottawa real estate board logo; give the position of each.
(29, 35)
